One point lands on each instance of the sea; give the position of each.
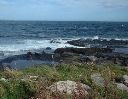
(19, 37)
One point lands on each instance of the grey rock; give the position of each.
(98, 79)
(69, 87)
(122, 87)
(92, 58)
(125, 77)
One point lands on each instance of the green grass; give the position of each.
(15, 88)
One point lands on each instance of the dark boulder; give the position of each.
(29, 55)
(48, 48)
(37, 55)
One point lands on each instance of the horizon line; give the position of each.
(63, 20)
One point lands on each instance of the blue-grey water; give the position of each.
(17, 37)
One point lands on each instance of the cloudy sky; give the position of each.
(78, 10)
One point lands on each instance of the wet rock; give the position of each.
(12, 58)
(54, 41)
(99, 43)
(86, 51)
(26, 59)
(48, 48)
(98, 79)
(38, 55)
(96, 55)
(29, 55)
(69, 87)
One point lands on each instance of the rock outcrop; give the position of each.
(87, 51)
(69, 87)
(99, 43)
(95, 55)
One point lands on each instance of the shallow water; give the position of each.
(21, 64)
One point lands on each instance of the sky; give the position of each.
(64, 10)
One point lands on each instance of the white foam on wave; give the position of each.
(102, 38)
(123, 39)
(96, 37)
(92, 38)
(24, 46)
(16, 47)
(29, 44)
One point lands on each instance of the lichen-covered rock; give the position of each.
(98, 79)
(125, 77)
(69, 87)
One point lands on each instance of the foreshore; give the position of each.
(68, 56)
(101, 51)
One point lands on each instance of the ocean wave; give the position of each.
(34, 44)
(103, 38)
(9, 49)
(20, 46)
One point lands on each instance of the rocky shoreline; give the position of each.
(101, 51)
(95, 55)
(72, 56)
(112, 43)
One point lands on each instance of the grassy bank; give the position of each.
(32, 83)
